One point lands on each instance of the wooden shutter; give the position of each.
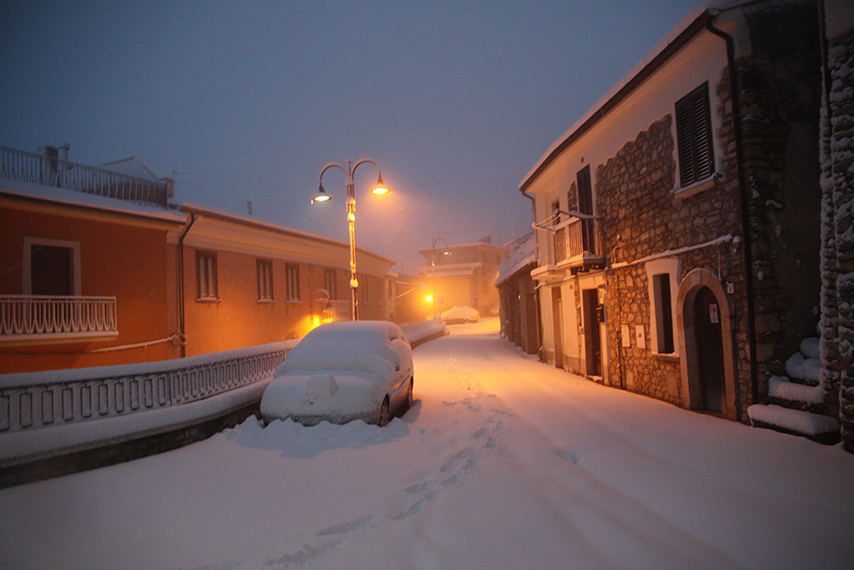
(694, 134)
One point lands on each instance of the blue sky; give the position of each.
(246, 101)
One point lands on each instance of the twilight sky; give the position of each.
(247, 100)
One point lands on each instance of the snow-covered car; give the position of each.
(460, 314)
(342, 372)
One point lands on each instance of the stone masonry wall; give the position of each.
(837, 319)
(642, 217)
(779, 90)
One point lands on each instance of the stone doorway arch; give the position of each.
(701, 290)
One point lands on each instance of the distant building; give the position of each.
(677, 221)
(409, 303)
(517, 290)
(98, 268)
(465, 276)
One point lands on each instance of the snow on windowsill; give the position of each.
(669, 357)
(697, 187)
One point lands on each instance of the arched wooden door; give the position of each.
(710, 353)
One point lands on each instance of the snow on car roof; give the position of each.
(356, 331)
(346, 345)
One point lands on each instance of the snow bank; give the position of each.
(806, 369)
(417, 332)
(781, 387)
(792, 420)
(810, 347)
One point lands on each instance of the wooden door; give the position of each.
(592, 339)
(710, 353)
(557, 318)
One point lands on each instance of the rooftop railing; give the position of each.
(56, 172)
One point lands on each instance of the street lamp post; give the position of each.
(446, 251)
(380, 188)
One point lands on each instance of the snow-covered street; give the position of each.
(504, 462)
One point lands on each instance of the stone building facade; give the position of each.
(837, 231)
(677, 224)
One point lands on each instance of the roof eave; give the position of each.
(688, 33)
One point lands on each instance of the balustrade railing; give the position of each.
(60, 397)
(53, 171)
(42, 315)
(578, 240)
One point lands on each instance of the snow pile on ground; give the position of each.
(793, 420)
(805, 369)
(781, 387)
(804, 375)
(416, 332)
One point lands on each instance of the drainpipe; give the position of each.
(181, 321)
(745, 219)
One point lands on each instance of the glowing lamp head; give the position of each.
(429, 298)
(380, 189)
(321, 196)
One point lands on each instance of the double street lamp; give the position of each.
(446, 251)
(379, 189)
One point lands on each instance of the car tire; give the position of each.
(385, 414)
(409, 397)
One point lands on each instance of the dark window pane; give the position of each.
(51, 270)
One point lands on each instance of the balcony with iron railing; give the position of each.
(578, 244)
(56, 172)
(34, 318)
(575, 243)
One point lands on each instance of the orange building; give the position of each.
(247, 282)
(96, 268)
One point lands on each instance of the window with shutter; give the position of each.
(694, 134)
(292, 274)
(206, 275)
(265, 279)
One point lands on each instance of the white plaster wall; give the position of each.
(703, 59)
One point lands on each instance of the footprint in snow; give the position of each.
(569, 455)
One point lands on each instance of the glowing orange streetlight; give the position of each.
(446, 251)
(379, 189)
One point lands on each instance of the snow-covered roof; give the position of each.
(81, 199)
(427, 251)
(687, 27)
(523, 254)
(248, 221)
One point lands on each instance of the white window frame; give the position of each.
(330, 278)
(669, 266)
(208, 273)
(292, 276)
(74, 246)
